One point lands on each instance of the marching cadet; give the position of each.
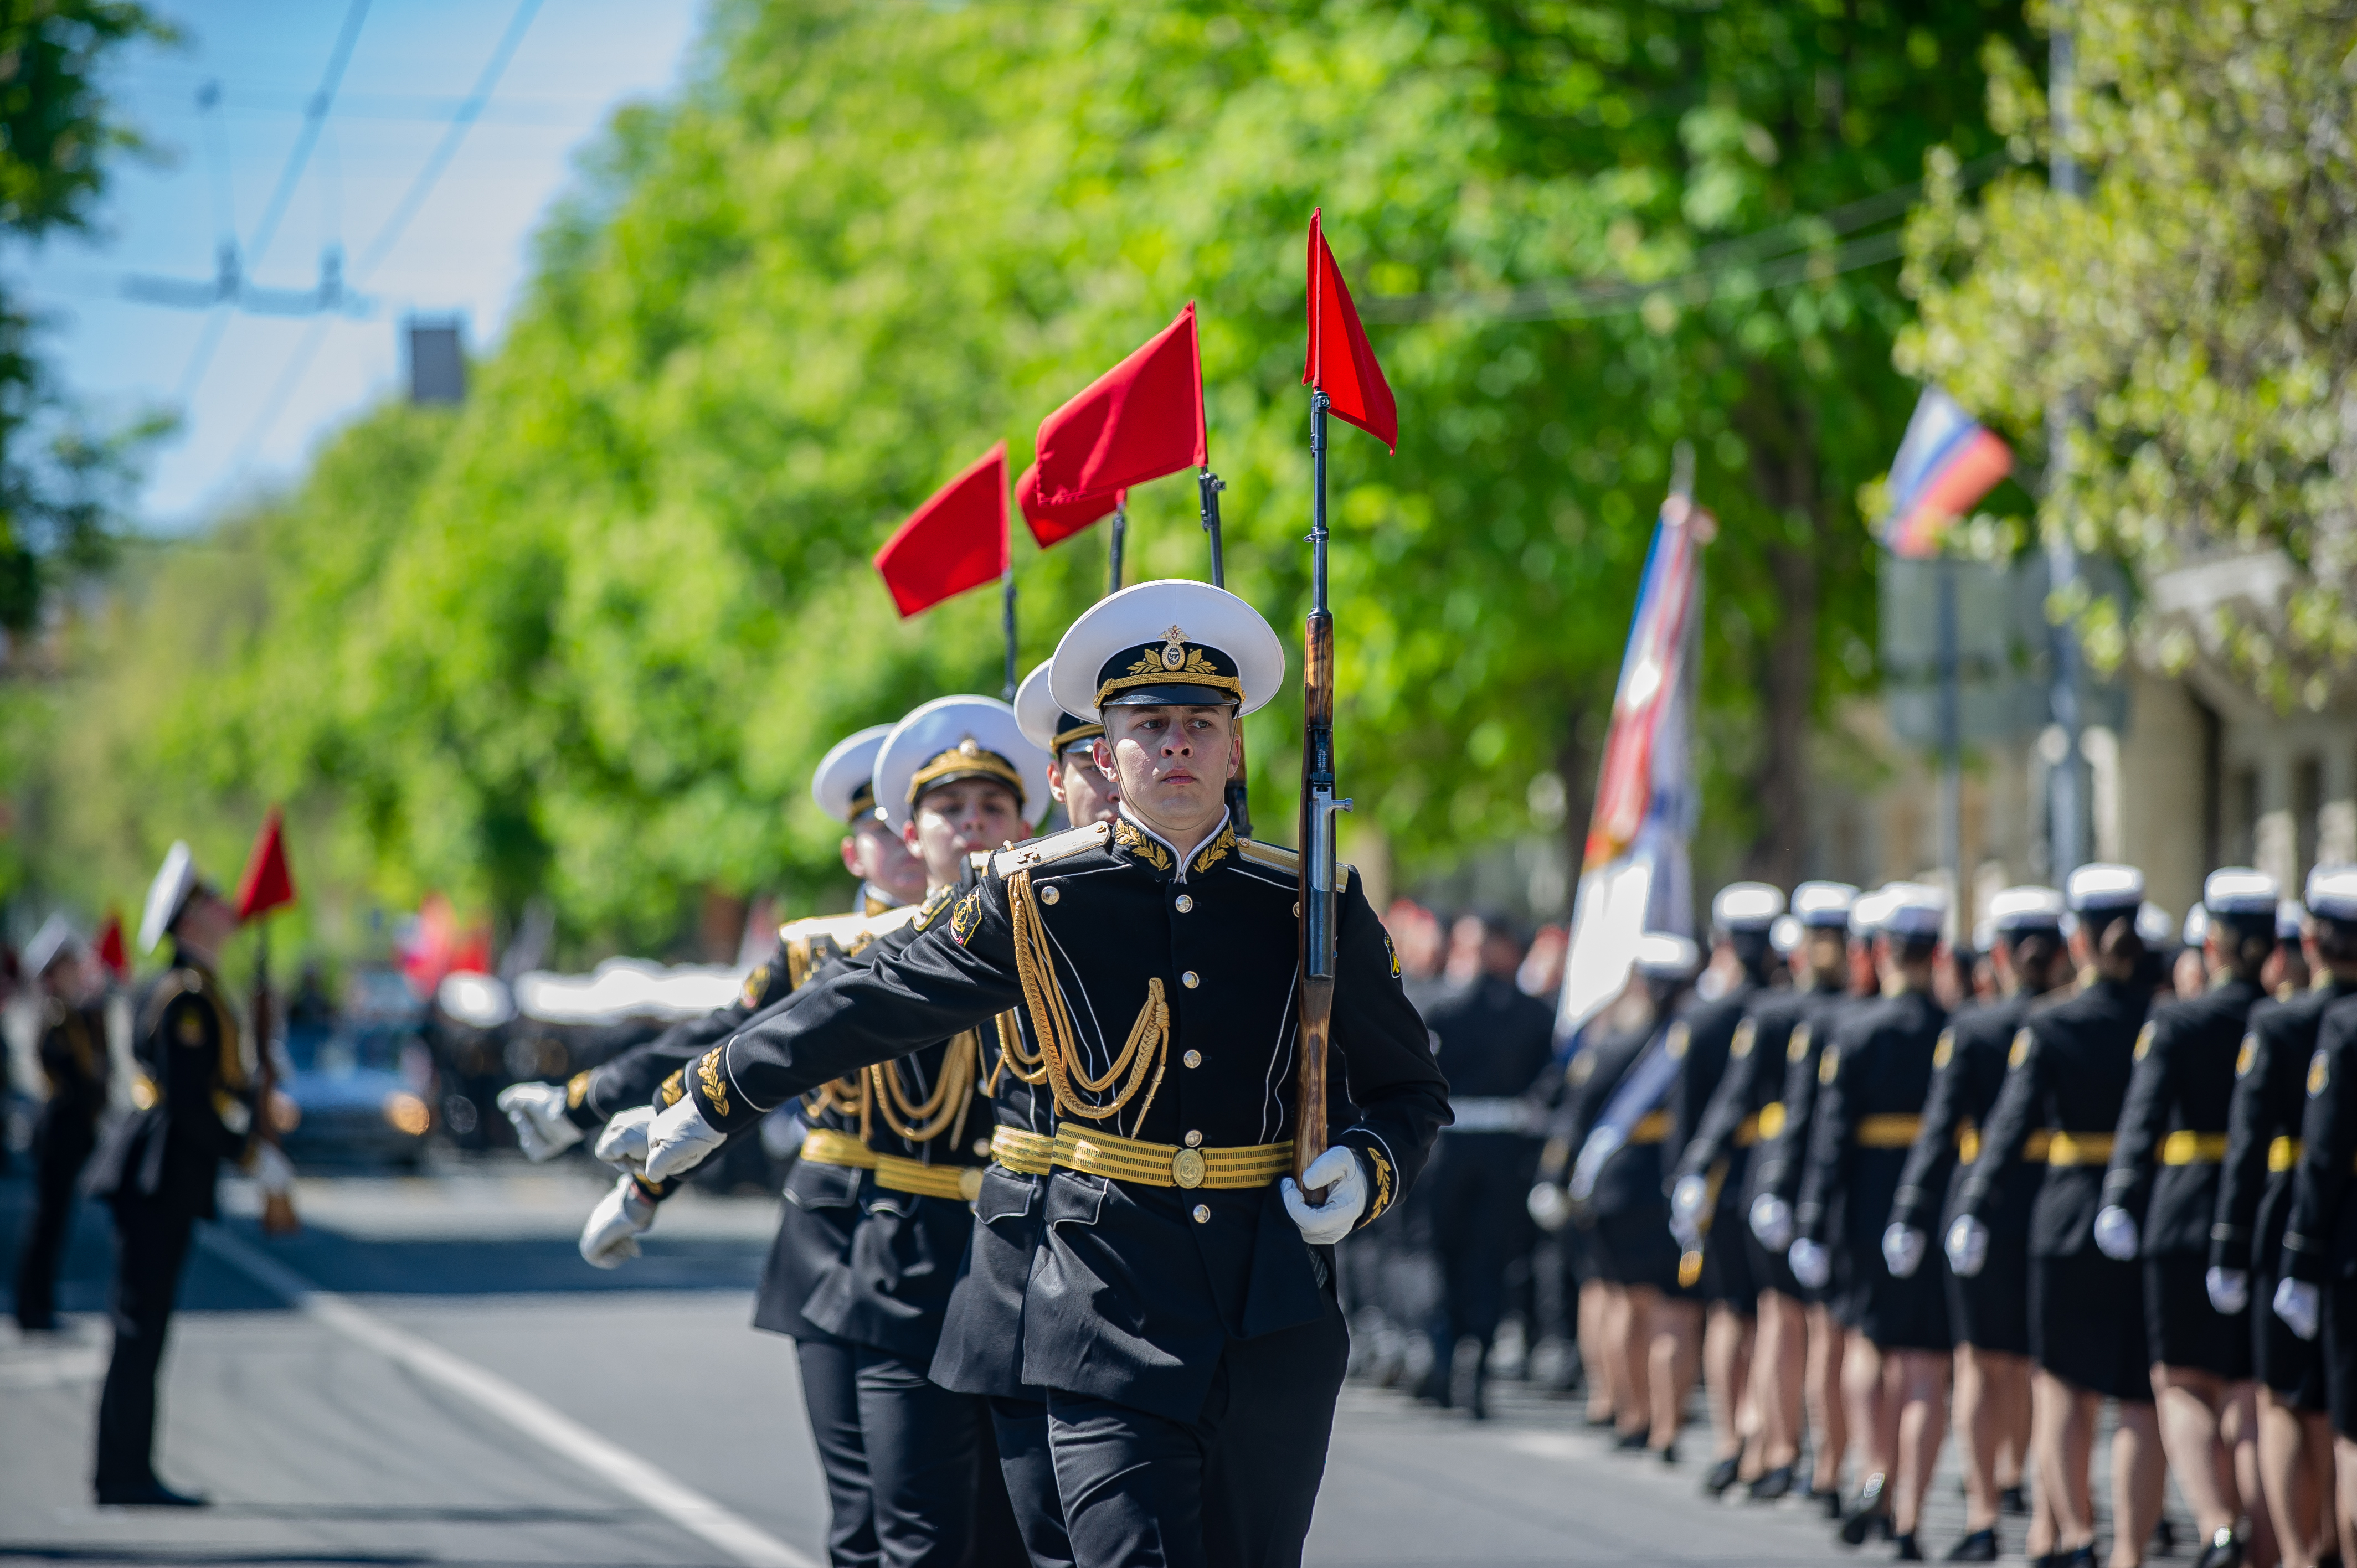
(1875, 1073)
(194, 1107)
(1988, 1312)
(2254, 1190)
(981, 1351)
(72, 1056)
(1495, 1045)
(1707, 1203)
(1839, 975)
(2288, 972)
(551, 1118)
(2066, 1079)
(2175, 1119)
(1614, 1123)
(1180, 1313)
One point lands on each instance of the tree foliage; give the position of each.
(2195, 309)
(585, 639)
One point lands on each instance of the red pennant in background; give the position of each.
(1139, 421)
(111, 952)
(1054, 524)
(1341, 363)
(267, 883)
(954, 542)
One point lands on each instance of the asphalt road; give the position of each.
(428, 1374)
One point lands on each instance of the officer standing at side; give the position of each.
(73, 1054)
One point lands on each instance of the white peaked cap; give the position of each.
(2240, 890)
(1746, 907)
(2103, 887)
(2332, 892)
(843, 784)
(958, 737)
(1173, 633)
(1823, 904)
(1914, 910)
(1044, 723)
(2027, 907)
(52, 942)
(1665, 955)
(2291, 921)
(170, 890)
(2195, 930)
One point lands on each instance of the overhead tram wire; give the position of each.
(428, 176)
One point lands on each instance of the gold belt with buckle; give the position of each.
(1171, 1164)
(825, 1146)
(1026, 1154)
(2284, 1153)
(1888, 1130)
(2069, 1149)
(1771, 1119)
(2184, 1147)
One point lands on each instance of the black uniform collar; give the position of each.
(874, 900)
(1142, 843)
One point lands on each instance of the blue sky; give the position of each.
(257, 408)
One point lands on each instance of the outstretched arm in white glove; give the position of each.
(1968, 1242)
(623, 1143)
(679, 1139)
(2229, 1290)
(614, 1227)
(1812, 1264)
(1337, 1170)
(536, 1110)
(1771, 1221)
(2116, 1234)
(1903, 1247)
(1550, 1206)
(2301, 1306)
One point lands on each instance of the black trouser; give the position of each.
(1233, 1487)
(1475, 1194)
(831, 1396)
(151, 1243)
(1020, 1429)
(62, 1139)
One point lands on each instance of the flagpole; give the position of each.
(1208, 486)
(1114, 541)
(1008, 603)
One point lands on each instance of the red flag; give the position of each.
(1342, 364)
(954, 542)
(1054, 524)
(111, 950)
(1139, 421)
(267, 883)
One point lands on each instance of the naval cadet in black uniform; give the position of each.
(1495, 1045)
(195, 1108)
(2255, 1194)
(1707, 1203)
(1180, 1315)
(2066, 1079)
(1875, 1073)
(72, 1056)
(1988, 1312)
(2161, 1200)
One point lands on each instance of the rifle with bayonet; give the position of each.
(1317, 883)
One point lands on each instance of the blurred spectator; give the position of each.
(1417, 939)
(1541, 974)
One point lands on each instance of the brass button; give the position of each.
(1193, 1058)
(1202, 1214)
(1189, 980)
(981, 1145)
(1194, 1140)
(1048, 895)
(1185, 902)
(1296, 909)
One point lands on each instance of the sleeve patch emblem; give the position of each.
(1742, 1046)
(2144, 1042)
(1799, 1048)
(1677, 1045)
(967, 916)
(2022, 1042)
(935, 902)
(755, 984)
(1828, 1065)
(1945, 1051)
(1393, 953)
(715, 1088)
(2318, 1075)
(2246, 1056)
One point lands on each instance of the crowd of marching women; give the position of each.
(1869, 1185)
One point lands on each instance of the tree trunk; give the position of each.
(1784, 466)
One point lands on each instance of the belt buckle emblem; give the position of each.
(1187, 1167)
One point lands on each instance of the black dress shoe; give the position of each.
(1980, 1546)
(1668, 1452)
(2164, 1537)
(1775, 1484)
(154, 1495)
(2013, 1500)
(1722, 1476)
(2223, 1551)
(1870, 1511)
(1635, 1441)
(1907, 1551)
(1829, 1501)
(2082, 1557)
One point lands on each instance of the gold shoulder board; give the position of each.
(1048, 850)
(1276, 857)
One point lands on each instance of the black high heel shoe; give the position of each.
(1871, 1511)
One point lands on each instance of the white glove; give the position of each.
(273, 1171)
(623, 1142)
(1903, 1247)
(1339, 1171)
(1771, 1221)
(1550, 1206)
(2229, 1290)
(614, 1227)
(1968, 1241)
(2116, 1234)
(1812, 1264)
(2301, 1306)
(679, 1139)
(1687, 1197)
(537, 1112)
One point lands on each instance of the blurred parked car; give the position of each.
(362, 1080)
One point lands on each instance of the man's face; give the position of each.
(1172, 764)
(206, 922)
(872, 854)
(1087, 796)
(952, 821)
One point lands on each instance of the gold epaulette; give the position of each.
(1046, 851)
(1276, 857)
(809, 942)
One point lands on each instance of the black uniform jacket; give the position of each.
(74, 1059)
(1967, 1071)
(1877, 1066)
(2067, 1071)
(193, 1097)
(1494, 1044)
(1137, 1286)
(1738, 1115)
(2172, 1129)
(1812, 1019)
(2320, 1240)
(1703, 1064)
(2263, 1128)
(981, 1351)
(1630, 1181)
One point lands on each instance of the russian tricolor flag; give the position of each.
(1946, 462)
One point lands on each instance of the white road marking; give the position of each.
(626, 1472)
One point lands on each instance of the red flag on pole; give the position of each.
(267, 883)
(1054, 524)
(954, 542)
(111, 950)
(1341, 363)
(1139, 421)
